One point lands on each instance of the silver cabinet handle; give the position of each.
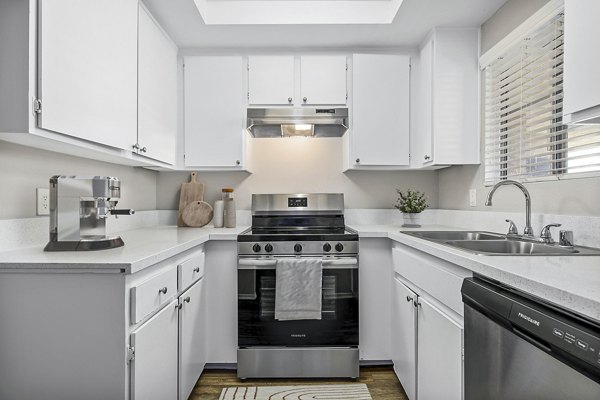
(304, 99)
(237, 162)
(197, 269)
(163, 290)
(178, 306)
(143, 149)
(187, 299)
(289, 99)
(427, 157)
(358, 160)
(409, 299)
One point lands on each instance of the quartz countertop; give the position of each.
(572, 282)
(143, 247)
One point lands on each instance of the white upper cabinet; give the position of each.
(157, 92)
(379, 132)
(214, 123)
(270, 80)
(447, 122)
(581, 61)
(323, 80)
(87, 70)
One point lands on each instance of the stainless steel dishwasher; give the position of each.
(519, 347)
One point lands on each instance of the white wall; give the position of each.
(302, 165)
(573, 196)
(23, 169)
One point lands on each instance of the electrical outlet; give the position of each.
(43, 201)
(473, 197)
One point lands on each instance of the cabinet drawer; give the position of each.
(437, 277)
(190, 271)
(152, 293)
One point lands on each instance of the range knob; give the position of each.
(256, 248)
(327, 247)
(297, 248)
(268, 248)
(339, 247)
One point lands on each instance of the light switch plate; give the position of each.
(43, 201)
(473, 197)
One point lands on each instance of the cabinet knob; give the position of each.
(409, 299)
(289, 99)
(427, 157)
(197, 269)
(187, 299)
(136, 146)
(304, 99)
(358, 160)
(178, 306)
(163, 290)
(143, 149)
(237, 162)
(416, 303)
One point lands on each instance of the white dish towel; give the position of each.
(298, 288)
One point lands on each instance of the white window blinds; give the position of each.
(525, 138)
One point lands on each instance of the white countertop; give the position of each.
(568, 281)
(143, 247)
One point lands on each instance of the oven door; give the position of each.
(257, 325)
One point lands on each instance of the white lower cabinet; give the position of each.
(192, 337)
(154, 367)
(427, 325)
(404, 337)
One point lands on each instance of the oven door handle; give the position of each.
(346, 263)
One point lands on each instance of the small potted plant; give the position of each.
(411, 203)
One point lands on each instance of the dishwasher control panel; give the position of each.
(567, 337)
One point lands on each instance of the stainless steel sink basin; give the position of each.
(489, 243)
(515, 247)
(457, 235)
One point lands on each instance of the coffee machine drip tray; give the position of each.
(86, 244)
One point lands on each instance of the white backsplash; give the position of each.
(17, 233)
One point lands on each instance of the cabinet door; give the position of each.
(214, 111)
(582, 58)
(270, 80)
(424, 132)
(154, 368)
(192, 338)
(439, 343)
(87, 72)
(380, 120)
(404, 337)
(157, 92)
(323, 80)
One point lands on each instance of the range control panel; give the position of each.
(297, 202)
(567, 337)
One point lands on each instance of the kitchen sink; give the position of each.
(457, 235)
(489, 243)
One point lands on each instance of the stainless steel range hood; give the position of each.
(305, 121)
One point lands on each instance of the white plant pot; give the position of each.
(411, 220)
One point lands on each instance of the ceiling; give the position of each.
(415, 18)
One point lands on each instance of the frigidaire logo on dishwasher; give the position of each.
(298, 335)
(529, 319)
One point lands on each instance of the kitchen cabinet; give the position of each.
(192, 338)
(581, 62)
(323, 80)
(404, 337)
(379, 133)
(157, 91)
(214, 105)
(87, 73)
(375, 293)
(154, 366)
(439, 349)
(271, 80)
(427, 324)
(447, 119)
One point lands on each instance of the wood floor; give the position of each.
(381, 381)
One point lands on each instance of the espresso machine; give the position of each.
(79, 207)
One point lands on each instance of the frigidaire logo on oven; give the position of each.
(298, 335)
(529, 319)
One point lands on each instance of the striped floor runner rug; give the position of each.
(307, 392)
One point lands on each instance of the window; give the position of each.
(525, 138)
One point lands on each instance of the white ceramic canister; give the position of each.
(218, 214)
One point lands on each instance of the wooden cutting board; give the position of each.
(190, 191)
(197, 213)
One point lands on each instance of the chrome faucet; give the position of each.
(528, 231)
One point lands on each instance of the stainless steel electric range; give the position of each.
(304, 226)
